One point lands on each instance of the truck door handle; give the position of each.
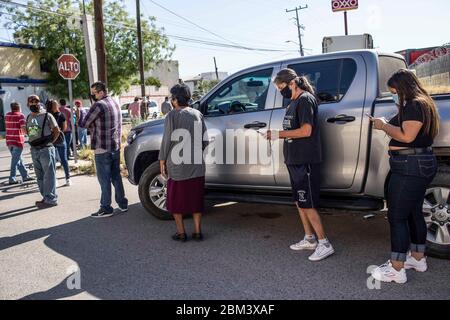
(255, 125)
(341, 118)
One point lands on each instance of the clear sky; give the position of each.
(394, 25)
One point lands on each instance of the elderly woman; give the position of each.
(181, 161)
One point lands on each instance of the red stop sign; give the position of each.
(68, 66)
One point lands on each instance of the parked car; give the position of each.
(355, 171)
(124, 110)
(153, 109)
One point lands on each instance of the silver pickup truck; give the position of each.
(355, 170)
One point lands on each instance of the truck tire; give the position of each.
(153, 192)
(437, 214)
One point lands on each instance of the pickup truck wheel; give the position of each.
(436, 209)
(153, 192)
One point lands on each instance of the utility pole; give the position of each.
(100, 41)
(89, 44)
(299, 27)
(346, 23)
(215, 66)
(141, 53)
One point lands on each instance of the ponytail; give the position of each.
(303, 83)
(287, 75)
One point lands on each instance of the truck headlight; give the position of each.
(133, 135)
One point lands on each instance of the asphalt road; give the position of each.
(245, 254)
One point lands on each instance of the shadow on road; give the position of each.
(17, 212)
(245, 255)
(109, 254)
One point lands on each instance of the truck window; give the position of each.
(331, 78)
(387, 67)
(246, 93)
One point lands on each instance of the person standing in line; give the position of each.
(134, 109)
(42, 131)
(65, 109)
(61, 148)
(166, 107)
(104, 121)
(413, 167)
(303, 155)
(15, 131)
(144, 109)
(186, 181)
(80, 114)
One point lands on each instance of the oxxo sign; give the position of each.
(68, 66)
(344, 5)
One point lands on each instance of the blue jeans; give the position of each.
(62, 152)
(45, 169)
(68, 137)
(82, 136)
(17, 163)
(108, 172)
(410, 177)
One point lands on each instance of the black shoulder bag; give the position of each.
(42, 141)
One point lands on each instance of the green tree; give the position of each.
(203, 86)
(152, 81)
(52, 33)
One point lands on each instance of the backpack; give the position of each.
(42, 141)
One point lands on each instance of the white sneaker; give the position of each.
(304, 245)
(412, 263)
(68, 182)
(322, 251)
(386, 273)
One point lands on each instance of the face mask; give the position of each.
(286, 93)
(93, 97)
(34, 108)
(396, 99)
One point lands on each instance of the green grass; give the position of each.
(87, 154)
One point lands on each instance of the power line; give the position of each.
(178, 24)
(161, 22)
(178, 37)
(191, 22)
(17, 4)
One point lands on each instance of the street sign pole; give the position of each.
(74, 140)
(346, 23)
(344, 5)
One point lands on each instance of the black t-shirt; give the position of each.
(412, 111)
(302, 111)
(60, 119)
